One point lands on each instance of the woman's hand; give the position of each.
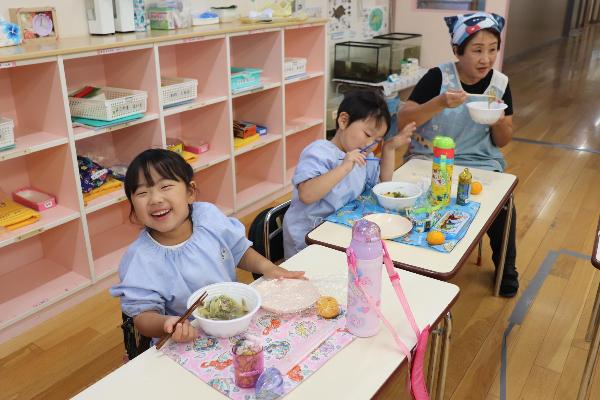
(184, 332)
(452, 98)
(401, 138)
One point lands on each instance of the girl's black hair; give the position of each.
(166, 163)
(364, 104)
(460, 50)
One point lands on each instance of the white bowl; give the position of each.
(235, 290)
(390, 225)
(485, 113)
(412, 191)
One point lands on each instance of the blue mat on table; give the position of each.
(367, 204)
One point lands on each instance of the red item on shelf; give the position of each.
(34, 199)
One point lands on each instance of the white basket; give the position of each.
(118, 103)
(7, 136)
(294, 66)
(177, 90)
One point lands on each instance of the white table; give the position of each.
(593, 332)
(357, 372)
(497, 192)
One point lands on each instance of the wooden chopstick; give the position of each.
(185, 316)
(489, 96)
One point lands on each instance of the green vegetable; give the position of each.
(223, 307)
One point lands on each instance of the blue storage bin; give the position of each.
(243, 79)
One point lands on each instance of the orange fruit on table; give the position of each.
(435, 237)
(476, 188)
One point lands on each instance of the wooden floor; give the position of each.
(556, 94)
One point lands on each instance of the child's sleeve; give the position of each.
(138, 289)
(373, 171)
(234, 234)
(314, 161)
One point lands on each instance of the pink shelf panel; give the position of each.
(261, 50)
(259, 173)
(296, 143)
(51, 218)
(262, 141)
(39, 271)
(111, 232)
(264, 108)
(267, 84)
(201, 101)
(210, 124)
(134, 69)
(300, 124)
(50, 171)
(304, 99)
(205, 61)
(209, 159)
(122, 146)
(84, 132)
(32, 142)
(309, 75)
(31, 95)
(105, 201)
(307, 43)
(215, 185)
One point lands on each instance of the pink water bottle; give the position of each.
(365, 261)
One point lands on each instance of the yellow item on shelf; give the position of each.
(109, 186)
(14, 215)
(239, 142)
(189, 157)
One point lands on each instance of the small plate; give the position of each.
(391, 225)
(284, 296)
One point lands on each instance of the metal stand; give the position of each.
(500, 269)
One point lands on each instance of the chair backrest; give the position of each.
(266, 232)
(135, 342)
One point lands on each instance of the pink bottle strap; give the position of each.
(395, 279)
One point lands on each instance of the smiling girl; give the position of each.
(185, 246)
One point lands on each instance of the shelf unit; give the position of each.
(74, 249)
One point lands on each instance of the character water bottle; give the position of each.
(365, 261)
(441, 173)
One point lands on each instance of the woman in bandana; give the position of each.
(437, 105)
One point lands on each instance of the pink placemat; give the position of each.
(297, 345)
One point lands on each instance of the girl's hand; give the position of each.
(281, 273)
(184, 332)
(452, 98)
(354, 157)
(401, 138)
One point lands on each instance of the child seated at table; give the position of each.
(185, 246)
(332, 173)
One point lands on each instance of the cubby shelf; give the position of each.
(201, 101)
(49, 219)
(80, 132)
(77, 244)
(309, 75)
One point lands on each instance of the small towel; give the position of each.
(111, 185)
(14, 215)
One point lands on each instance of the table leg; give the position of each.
(591, 358)
(434, 357)
(500, 270)
(445, 353)
(479, 252)
(595, 318)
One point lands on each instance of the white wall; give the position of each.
(436, 47)
(529, 28)
(72, 20)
